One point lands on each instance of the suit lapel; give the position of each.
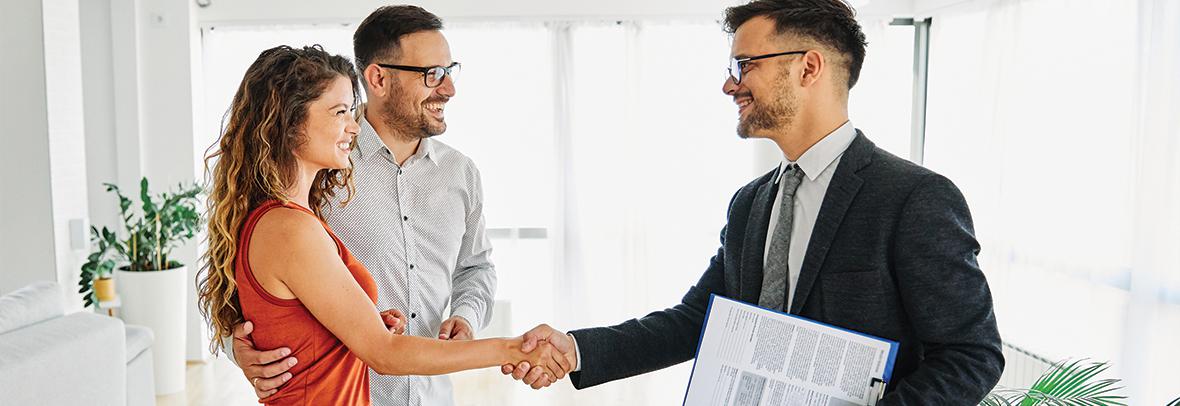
(843, 188)
(754, 246)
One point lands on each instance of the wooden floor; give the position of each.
(220, 382)
(216, 382)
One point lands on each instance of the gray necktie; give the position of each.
(774, 274)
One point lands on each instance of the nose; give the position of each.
(447, 88)
(729, 87)
(353, 126)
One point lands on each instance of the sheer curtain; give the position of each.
(1057, 119)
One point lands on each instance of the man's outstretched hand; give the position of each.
(535, 377)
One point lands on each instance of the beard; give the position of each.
(770, 114)
(410, 119)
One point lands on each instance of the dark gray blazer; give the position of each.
(893, 254)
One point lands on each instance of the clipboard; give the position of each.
(752, 356)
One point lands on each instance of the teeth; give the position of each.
(343, 145)
(435, 106)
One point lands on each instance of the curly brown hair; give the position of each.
(255, 162)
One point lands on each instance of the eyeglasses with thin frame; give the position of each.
(432, 76)
(737, 65)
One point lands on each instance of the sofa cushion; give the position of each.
(139, 339)
(30, 305)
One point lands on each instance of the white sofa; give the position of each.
(48, 357)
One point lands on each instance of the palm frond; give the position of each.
(1066, 383)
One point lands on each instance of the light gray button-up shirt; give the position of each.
(419, 229)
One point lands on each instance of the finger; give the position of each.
(244, 329)
(521, 370)
(274, 369)
(530, 342)
(506, 369)
(272, 383)
(461, 333)
(268, 357)
(535, 374)
(562, 363)
(444, 333)
(541, 380)
(262, 394)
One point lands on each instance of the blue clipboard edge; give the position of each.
(893, 345)
(700, 340)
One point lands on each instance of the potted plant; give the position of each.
(151, 284)
(1065, 383)
(96, 284)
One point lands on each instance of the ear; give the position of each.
(815, 66)
(375, 79)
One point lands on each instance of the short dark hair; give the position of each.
(379, 36)
(830, 22)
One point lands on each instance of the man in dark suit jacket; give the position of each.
(842, 232)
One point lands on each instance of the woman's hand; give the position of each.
(552, 362)
(395, 320)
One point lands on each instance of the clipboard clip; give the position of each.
(877, 386)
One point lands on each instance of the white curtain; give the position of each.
(1057, 118)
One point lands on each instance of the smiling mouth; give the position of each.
(743, 104)
(345, 146)
(436, 108)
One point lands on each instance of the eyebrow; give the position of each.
(338, 105)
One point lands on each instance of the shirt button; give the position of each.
(399, 171)
(411, 266)
(413, 315)
(405, 218)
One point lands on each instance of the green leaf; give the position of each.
(1065, 383)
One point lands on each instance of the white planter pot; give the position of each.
(156, 300)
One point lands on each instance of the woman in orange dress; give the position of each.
(273, 260)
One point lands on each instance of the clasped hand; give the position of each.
(553, 355)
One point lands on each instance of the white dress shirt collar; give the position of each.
(369, 143)
(822, 154)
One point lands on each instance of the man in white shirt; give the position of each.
(416, 219)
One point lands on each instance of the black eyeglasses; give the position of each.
(737, 65)
(432, 76)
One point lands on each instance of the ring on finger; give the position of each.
(254, 382)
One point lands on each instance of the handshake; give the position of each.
(546, 356)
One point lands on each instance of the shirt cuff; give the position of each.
(227, 347)
(469, 314)
(577, 354)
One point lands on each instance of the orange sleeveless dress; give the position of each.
(327, 373)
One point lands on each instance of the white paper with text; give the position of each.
(750, 356)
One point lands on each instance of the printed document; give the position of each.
(750, 356)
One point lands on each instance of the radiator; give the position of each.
(1022, 367)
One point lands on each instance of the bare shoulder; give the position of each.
(284, 235)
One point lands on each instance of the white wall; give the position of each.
(43, 167)
(26, 206)
(98, 99)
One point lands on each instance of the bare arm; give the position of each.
(294, 252)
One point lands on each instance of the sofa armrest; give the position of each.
(71, 360)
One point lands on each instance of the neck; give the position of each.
(806, 131)
(402, 146)
(300, 190)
